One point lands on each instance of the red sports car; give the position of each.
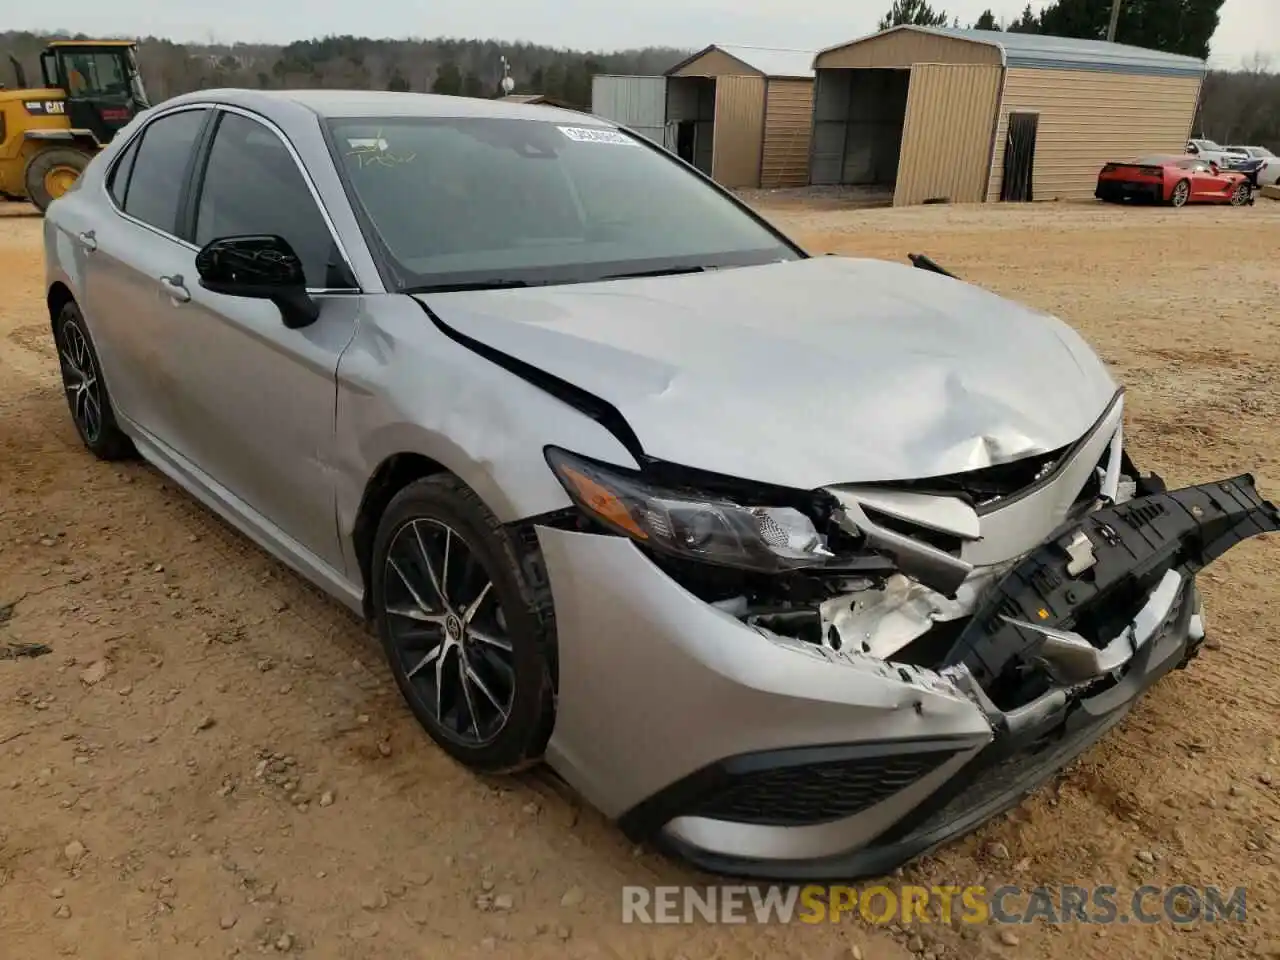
(1173, 180)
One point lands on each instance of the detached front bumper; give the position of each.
(757, 755)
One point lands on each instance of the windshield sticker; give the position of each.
(596, 135)
(369, 143)
(370, 150)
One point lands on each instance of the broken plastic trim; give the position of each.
(1037, 612)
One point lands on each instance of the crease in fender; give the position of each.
(587, 403)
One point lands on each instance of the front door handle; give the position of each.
(88, 239)
(176, 288)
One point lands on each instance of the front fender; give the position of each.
(404, 387)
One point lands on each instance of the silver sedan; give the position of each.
(798, 566)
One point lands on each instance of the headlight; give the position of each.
(713, 530)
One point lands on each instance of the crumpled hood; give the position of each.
(806, 373)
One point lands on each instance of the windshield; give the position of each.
(96, 73)
(487, 201)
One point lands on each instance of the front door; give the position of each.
(1206, 185)
(259, 410)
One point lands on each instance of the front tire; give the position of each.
(1181, 194)
(1241, 195)
(86, 391)
(461, 628)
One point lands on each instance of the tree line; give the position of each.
(443, 65)
(1174, 26)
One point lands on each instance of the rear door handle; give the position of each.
(88, 240)
(176, 288)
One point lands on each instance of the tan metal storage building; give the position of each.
(743, 114)
(934, 114)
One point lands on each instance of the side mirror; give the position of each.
(262, 268)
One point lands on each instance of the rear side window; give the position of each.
(252, 185)
(159, 170)
(119, 184)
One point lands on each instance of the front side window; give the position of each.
(252, 186)
(479, 200)
(160, 169)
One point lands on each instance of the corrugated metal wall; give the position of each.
(739, 131)
(904, 49)
(946, 139)
(788, 125)
(636, 102)
(1088, 118)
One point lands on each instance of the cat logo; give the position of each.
(50, 108)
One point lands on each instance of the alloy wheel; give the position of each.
(448, 631)
(1180, 194)
(1241, 195)
(80, 380)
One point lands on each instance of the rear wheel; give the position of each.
(1241, 195)
(86, 392)
(51, 173)
(1181, 193)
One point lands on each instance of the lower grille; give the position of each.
(816, 792)
(986, 784)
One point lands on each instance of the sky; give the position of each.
(1248, 27)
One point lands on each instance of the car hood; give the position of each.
(805, 373)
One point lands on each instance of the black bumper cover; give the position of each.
(1136, 543)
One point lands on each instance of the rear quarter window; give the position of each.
(160, 169)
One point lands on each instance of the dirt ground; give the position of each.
(212, 759)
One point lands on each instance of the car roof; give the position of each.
(383, 104)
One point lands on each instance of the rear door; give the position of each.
(128, 255)
(258, 398)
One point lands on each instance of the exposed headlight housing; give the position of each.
(710, 529)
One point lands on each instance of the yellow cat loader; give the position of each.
(48, 134)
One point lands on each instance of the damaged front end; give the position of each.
(962, 638)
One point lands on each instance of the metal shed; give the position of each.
(740, 114)
(970, 115)
(744, 114)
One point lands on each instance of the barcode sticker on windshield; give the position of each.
(596, 135)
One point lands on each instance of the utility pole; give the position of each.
(1115, 20)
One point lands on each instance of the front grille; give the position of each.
(816, 792)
